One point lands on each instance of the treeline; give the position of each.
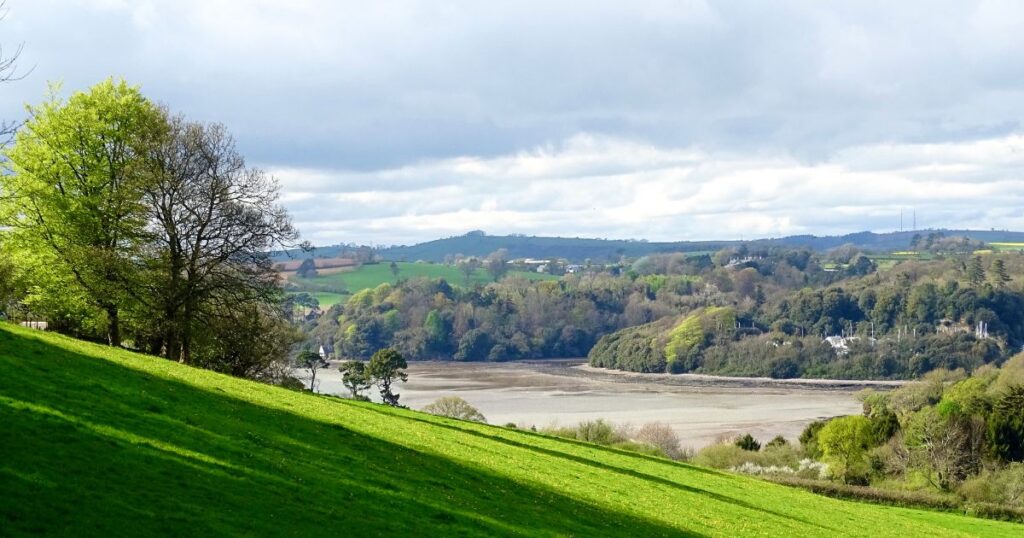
(899, 323)
(510, 319)
(516, 319)
(127, 223)
(740, 311)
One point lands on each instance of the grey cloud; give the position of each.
(374, 115)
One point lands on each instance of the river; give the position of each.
(701, 409)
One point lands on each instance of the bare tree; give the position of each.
(213, 220)
(8, 73)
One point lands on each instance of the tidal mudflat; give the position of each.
(700, 409)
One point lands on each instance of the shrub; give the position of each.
(454, 407)
(660, 435)
(722, 456)
(747, 442)
(809, 439)
(597, 431)
(1000, 486)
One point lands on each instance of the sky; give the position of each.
(395, 122)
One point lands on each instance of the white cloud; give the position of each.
(401, 120)
(606, 187)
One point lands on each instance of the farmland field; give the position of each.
(1012, 247)
(104, 442)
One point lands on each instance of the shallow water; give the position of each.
(543, 393)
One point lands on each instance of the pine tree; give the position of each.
(976, 272)
(999, 274)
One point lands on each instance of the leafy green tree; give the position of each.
(312, 362)
(355, 378)
(386, 366)
(454, 407)
(436, 330)
(844, 444)
(475, 344)
(75, 190)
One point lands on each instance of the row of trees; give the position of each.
(127, 222)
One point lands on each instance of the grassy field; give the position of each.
(886, 261)
(373, 275)
(102, 442)
(1011, 247)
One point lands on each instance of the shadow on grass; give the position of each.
(89, 447)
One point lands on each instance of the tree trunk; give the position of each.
(113, 326)
(172, 343)
(185, 332)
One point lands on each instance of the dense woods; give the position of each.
(949, 312)
(775, 312)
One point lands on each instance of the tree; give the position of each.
(454, 407)
(844, 443)
(999, 274)
(75, 189)
(311, 361)
(8, 72)
(976, 272)
(941, 446)
(355, 378)
(747, 442)
(1006, 425)
(307, 269)
(468, 267)
(394, 270)
(212, 222)
(497, 264)
(384, 368)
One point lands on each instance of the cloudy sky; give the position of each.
(396, 122)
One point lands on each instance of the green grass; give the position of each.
(103, 442)
(373, 275)
(1010, 247)
(328, 299)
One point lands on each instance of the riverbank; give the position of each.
(730, 381)
(563, 392)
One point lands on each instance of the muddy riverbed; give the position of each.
(701, 409)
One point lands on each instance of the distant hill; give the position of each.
(601, 250)
(99, 441)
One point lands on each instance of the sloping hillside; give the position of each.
(95, 441)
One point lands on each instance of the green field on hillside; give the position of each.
(327, 287)
(1007, 247)
(103, 442)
